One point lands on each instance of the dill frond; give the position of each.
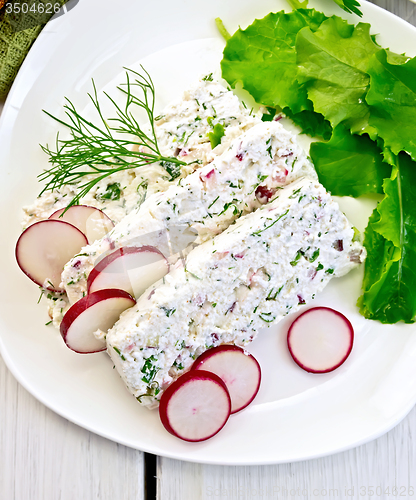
(94, 151)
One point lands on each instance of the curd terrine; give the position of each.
(182, 130)
(248, 174)
(264, 266)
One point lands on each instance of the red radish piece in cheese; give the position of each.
(132, 269)
(45, 247)
(238, 369)
(264, 194)
(97, 311)
(195, 406)
(209, 179)
(320, 339)
(92, 222)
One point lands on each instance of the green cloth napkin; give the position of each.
(18, 31)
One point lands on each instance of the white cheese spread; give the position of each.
(264, 266)
(249, 173)
(181, 130)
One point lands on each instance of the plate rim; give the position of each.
(16, 88)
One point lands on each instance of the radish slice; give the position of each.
(98, 311)
(45, 247)
(320, 339)
(238, 369)
(132, 269)
(196, 406)
(92, 222)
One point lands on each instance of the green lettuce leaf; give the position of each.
(392, 100)
(331, 77)
(381, 255)
(349, 165)
(297, 4)
(333, 63)
(350, 6)
(311, 123)
(263, 58)
(390, 239)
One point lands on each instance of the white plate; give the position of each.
(296, 415)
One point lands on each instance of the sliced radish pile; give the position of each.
(45, 247)
(99, 310)
(320, 339)
(89, 220)
(132, 269)
(239, 371)
(196, 406)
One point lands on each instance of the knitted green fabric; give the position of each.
(18, 31)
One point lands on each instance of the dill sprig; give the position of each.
(95, 151)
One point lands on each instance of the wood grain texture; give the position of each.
(382, 469)
(45, 457)
(402, 8)
(386, 467)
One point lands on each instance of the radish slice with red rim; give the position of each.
(196, 406)
(45, 247)
(238, 369)
(320, 339)
(94, 223)
(97, 311)
(132, 269)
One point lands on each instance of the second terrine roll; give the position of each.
(266, 265)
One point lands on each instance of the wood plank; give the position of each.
(43, 456)
(402, 8)
(386, 466)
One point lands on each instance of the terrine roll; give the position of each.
(248, 174)
(266, 265)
